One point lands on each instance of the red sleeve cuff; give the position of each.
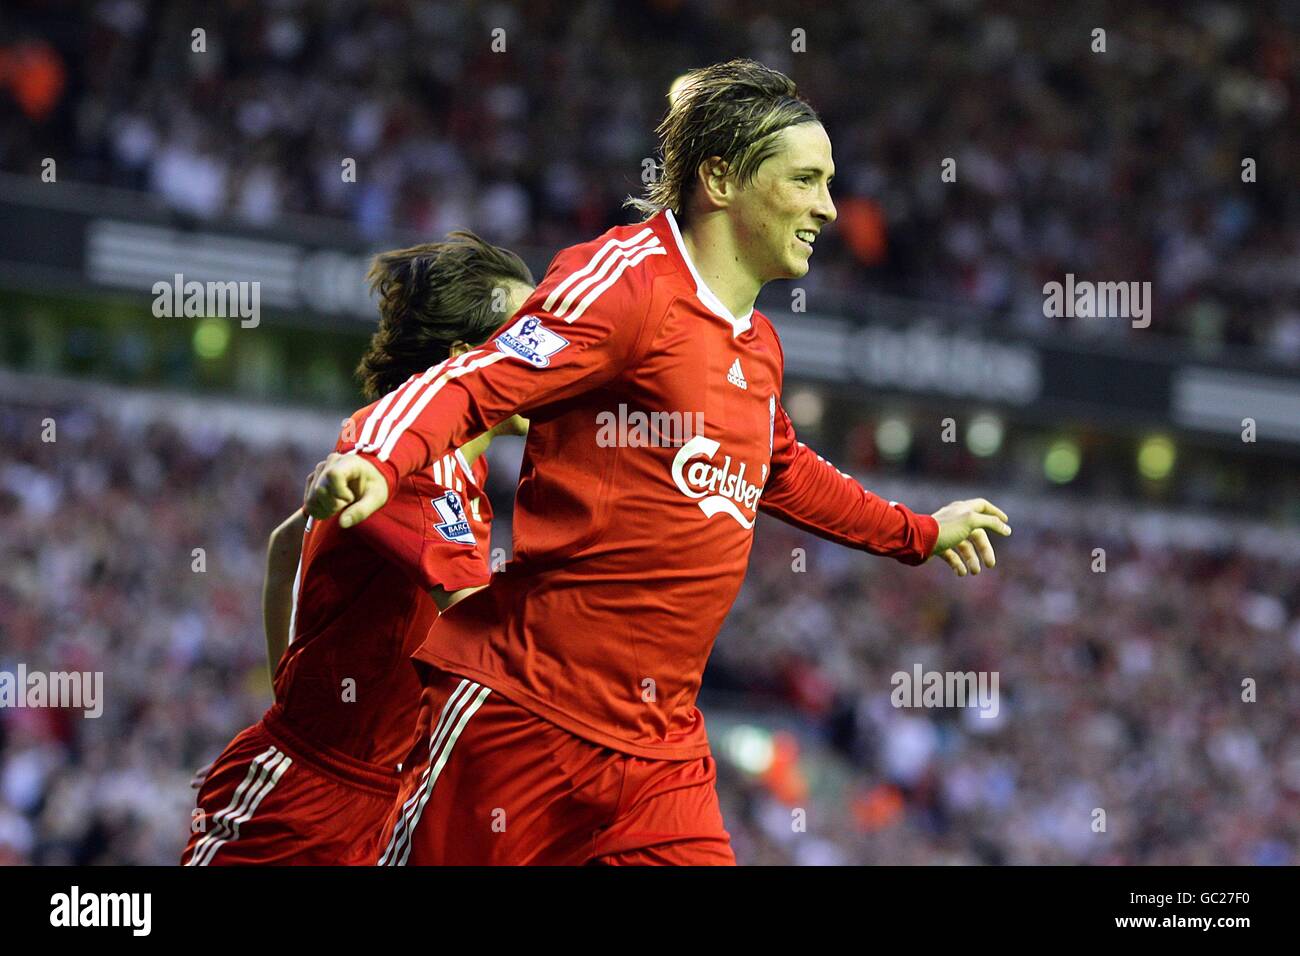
(387, 469)
(929, 528)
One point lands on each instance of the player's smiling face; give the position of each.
(779, 214)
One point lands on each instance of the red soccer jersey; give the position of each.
(627, 556)
(361, 607)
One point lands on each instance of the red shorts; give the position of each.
(268, 799)
(490, 783)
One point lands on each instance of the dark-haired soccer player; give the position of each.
(558, 722)
(313, 781)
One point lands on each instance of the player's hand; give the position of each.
(347, 483)
(514, 425)
(963, 539)
(311, 480)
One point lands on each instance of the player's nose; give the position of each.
(824, 211)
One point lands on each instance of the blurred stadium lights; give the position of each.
(984, 435)
(211, 338)
(1061, 463)
(893, 438)
(1156, 457)
(750, 748)
(805, 407)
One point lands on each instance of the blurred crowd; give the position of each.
(1123, 690)
(1119, 690)
(1161, 149)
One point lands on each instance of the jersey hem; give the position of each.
(517, 695)
(342, 768)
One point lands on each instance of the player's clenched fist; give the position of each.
(963, 534)
(346, 482)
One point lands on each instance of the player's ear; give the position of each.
(713, 181)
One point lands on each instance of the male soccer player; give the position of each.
(313, 781)
(558, 721)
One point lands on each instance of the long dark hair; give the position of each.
(431, 296)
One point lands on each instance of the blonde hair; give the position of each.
(733, 110)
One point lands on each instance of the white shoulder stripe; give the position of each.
(616, 261)
(630, 260)
(373, 418)
(408, 389)
(613, 244)
(426, 395)
(403, 394)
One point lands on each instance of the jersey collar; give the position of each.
(711, 302)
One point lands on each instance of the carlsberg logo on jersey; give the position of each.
(531, 341)
(719, 488)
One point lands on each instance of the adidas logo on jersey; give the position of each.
(736, 377)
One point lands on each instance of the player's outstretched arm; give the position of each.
(282, 552)
(963, 534)
(559, 346)
(808, 492)
(352, 484)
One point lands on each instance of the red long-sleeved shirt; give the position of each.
(631, 533)
(345, 685)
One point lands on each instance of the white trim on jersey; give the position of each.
(589, 283)
(613, 244)
(297, 584)
(408, 390)
(264, 772)
(601, 278)
(399, 836)
(399, 846)
(445, 472)
(469, 472)
(629, 259)
(705, 294)
(377, 415)
(426, 395)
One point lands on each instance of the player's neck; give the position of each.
(715, 254)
